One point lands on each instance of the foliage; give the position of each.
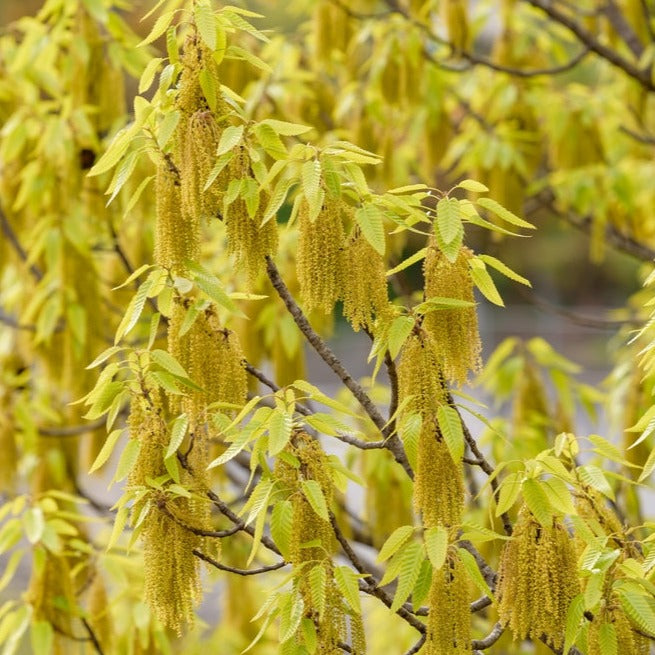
(168, 259)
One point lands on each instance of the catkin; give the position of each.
(365, 283)
(320, 258)
(172, 580)
(449, 620)
(455, 331)
(247, 239)
(537, 579)
(630, 641)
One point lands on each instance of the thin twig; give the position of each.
(495, 634)
(13, 239)
(230, 569)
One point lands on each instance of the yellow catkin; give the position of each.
(52, 597)
(331, 625)
(320, 257)
(247, 239)
(537, 579)
(99, 612)
(365, 283)
(439, 483)
(455, 331)
(630, 642)
(172, 580)
(198, 157)
(176, 239)
(8, 448)
(449, 620)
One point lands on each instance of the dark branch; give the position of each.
(230, 569)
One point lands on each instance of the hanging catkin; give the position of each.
(537, 579)
(455, 331)
(320, 259)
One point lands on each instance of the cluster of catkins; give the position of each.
(331, 267)
(208, 352)
(327, 609)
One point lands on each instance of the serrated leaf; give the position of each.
(106, 450)
(128, 459)
(279, 431)
(607, 639)
(134, 309)
(178, 432)
(277, 200)
(484, 283)
(291, 613)
(413, 259)
(506, 215)
(537, 502)
(436, 545)
(160, 26)
(206, 24)
(558, 495)
(410, 567)
(103, 356)
(639, 611)
(282, 526)
(400, 329)
(230, 137)
(311, 178)
(168, 363)
(471, 568)
(285, 128)
(148, 74)
(397, 538)
(473, 185)
(348, 584)
(314, 494)
(33, 524)
(504, 269)
(42, 637)
(574, 616)
(448, 222)
(451, 428)
(595, 478)
(369, 219)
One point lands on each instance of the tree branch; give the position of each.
(8, 231)
(495, 634)
(230, 569)
(393, 443)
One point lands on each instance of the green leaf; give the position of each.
(282, 526)
(413, 259)
(471, 568)
(311, 178)
(315, 497)
(506, 215)
(369, 219)
(318, 588)
(348, 584)
(106, 450)
(573, 622)
(448, 222)
(160, 26)
(400, 329)
(206, 24)
(168, 363)
(104, 356)
(639, 611)
(483, 281)
(279, 431)
(607, 639)
(504, 269)
(291, 613)
(472, 185)
(397, 538)
(148, 74)
(134, 310)
(410, 567)
(595, 478)
(230, 137)
(178, 432)
(34, 524)
(286, 129)
(558, 495)
(436, 545)
(451, 428)
(537, 502)
(128, 459)
(277, 200)
(42, 637)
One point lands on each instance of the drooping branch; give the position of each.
(495, 634)
(393, 443)
(230, 569)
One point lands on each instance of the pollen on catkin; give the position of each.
(631, 642)
(537, 579)
(176, 236)
(449, 620)
(247, 239)
(455, 331)
(365, 294)
(320, 257)
(172, 580)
